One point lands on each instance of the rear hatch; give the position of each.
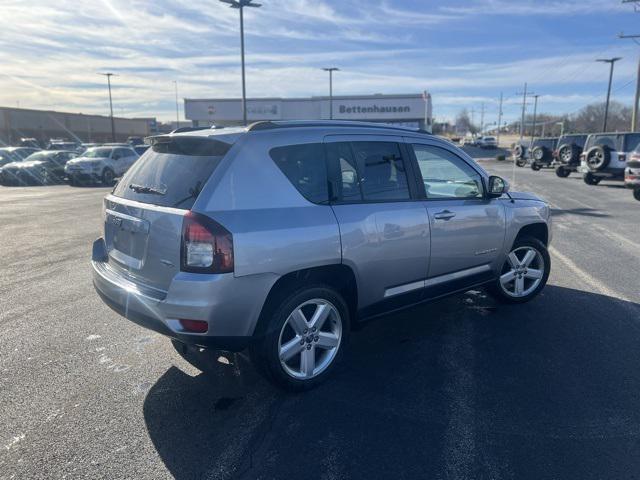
(143, 216)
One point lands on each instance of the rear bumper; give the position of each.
(605, 172)
(231, 305)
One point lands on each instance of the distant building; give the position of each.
(412, 110)
(16, 123)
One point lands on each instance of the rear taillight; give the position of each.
(207, 247)
(195, 326)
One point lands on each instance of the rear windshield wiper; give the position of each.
(144, 189)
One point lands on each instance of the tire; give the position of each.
(590, 179)
(290, 374)
(535, 166)
(598, 157)
(568, 154)
(518, 152)
(505, 288)
(636, 193)
(538, 154)
(521, 162)
(107, 177)
(562, 172)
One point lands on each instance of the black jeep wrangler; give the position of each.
(542, 152)
(567, 155)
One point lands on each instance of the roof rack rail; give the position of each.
(272, 125)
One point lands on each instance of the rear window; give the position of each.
(172, 173)
(305, 167)
(549, 143)
(611, 141)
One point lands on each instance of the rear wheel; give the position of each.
(563, 172)
(636, 193)
(535, 166)
(590, 179)
(304, 338)
(524, 273)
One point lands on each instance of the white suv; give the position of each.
(101, 164)
(605, 156)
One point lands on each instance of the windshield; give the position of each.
(37, 156)
(97, 153)
(172, 174)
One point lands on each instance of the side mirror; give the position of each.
(497, 186)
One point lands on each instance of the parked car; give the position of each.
(100, 164)
(66, 146)
(135, 141)
(520, 152)
(632, 173)
(29, 142)
(15, 154)
(541, 152)
(605, 156)
(281, 236)
(567, 155)
(488, 142)
(40, 168)
(470, 140)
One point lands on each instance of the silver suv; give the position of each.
(605, 156)
(281, 236)
(100, 164)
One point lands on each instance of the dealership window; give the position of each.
(368, 171)
(305, 167)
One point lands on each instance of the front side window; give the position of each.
(305, 167)
(98, 153)
(445, 175)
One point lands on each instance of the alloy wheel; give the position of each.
(310, 339)
(522, 273)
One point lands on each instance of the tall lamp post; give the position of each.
(113, 125)
(175, 82)
(611, 61)
(331, 70)
(240, 4)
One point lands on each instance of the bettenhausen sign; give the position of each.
(406, 109)
(374, 109)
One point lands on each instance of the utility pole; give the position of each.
(177, 108)
(636, 100)
(535, 111)
(611, 61)
(239, 5)
(482, 117)
(113, 125)
(331, 70)
(473, 112)
(524, 106)
(499, 120)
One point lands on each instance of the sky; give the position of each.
(465, 53)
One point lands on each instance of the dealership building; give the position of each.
(411, 110)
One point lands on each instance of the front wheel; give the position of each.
(304, 338)
(524, 273)
(107, 177)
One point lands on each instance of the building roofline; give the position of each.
(298, 99)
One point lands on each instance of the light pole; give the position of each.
(175, 82)
(240, 4)
(606, 108)
(113, 125)
(331, 70)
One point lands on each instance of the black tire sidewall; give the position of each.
(104, 175)
(636, 193)
(265, 352)
(524, 241)
(562, 172)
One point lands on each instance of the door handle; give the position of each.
(444, 215)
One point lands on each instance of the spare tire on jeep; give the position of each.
(568, 154)
(540, 154)
(598, 157)
(518, 151)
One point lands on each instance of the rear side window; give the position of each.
(632, 142)
(367, 172)
(172, 173)
(305, 167)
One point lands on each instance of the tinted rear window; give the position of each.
(173, 173)
(305, 167)
(549, 143)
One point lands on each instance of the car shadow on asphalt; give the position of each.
(586, 212)
(449, 389)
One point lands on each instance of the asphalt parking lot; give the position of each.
(461, 388)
